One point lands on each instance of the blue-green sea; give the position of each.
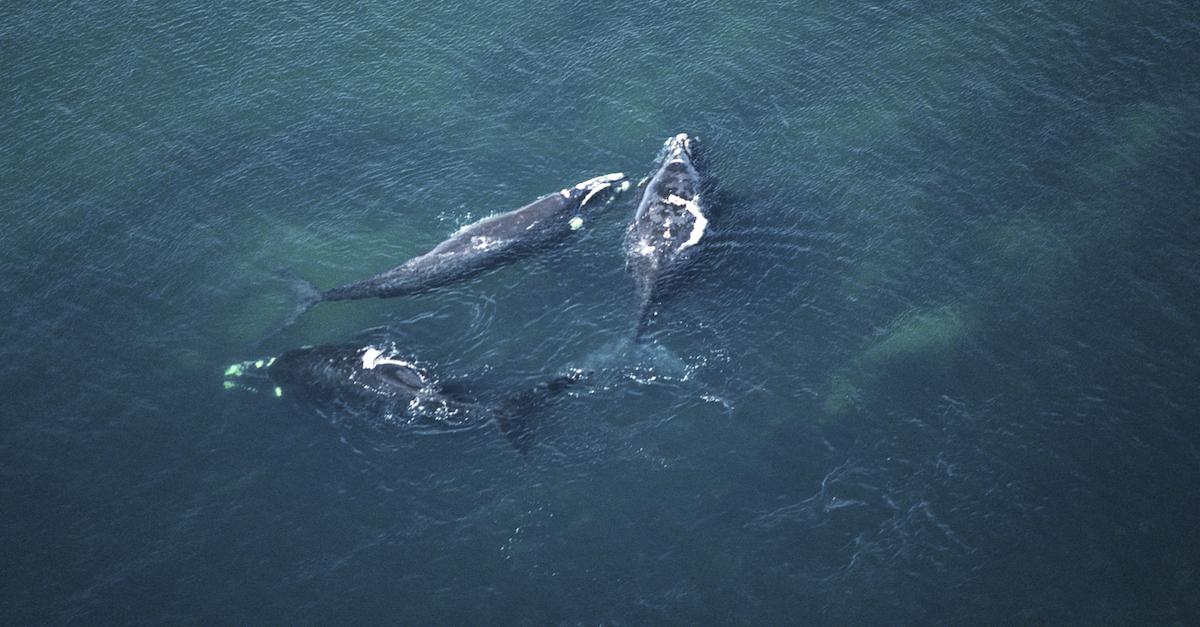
(937, 364)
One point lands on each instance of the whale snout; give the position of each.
(601, 181)
(599, 187)
(681, 147)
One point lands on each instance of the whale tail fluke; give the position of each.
(515, 414)
(307, 294)
(627, 358)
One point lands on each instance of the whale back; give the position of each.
(670, 221)
(373, 381)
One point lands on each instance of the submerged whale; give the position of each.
(377, 383)
(478, 247)
(670, 220)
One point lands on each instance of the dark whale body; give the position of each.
(377, 383)
(486, 244)
(476, 248)
(669, 222)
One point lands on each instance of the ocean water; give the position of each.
(939, 363)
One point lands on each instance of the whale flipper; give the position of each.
(518, 432)
(514, 417)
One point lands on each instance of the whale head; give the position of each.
(681, 147)
(594, 192)
(676, 171)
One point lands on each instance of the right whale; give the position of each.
(475, 248)
(669, 222)
(378, 383)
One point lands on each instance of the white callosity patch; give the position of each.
(238, 369)
(594, 185)
(601, 183)
(605, 181)
(235, 371)
(678, 144)
(373, 357)
(697, 227)
(595, 190)
(480, 242)
(576, 223)
(700, 223)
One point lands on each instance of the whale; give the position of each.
(376, 382)
(670, 221)
(473, 249)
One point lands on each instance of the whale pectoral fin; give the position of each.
(516, 414)
(518, 432)
(458, 389)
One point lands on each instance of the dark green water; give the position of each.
(940, 366)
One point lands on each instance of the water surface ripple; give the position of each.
(937, 363)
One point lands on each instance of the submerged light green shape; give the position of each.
(932, 335)
(237, 370)
(841, 397)
(924, 339)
